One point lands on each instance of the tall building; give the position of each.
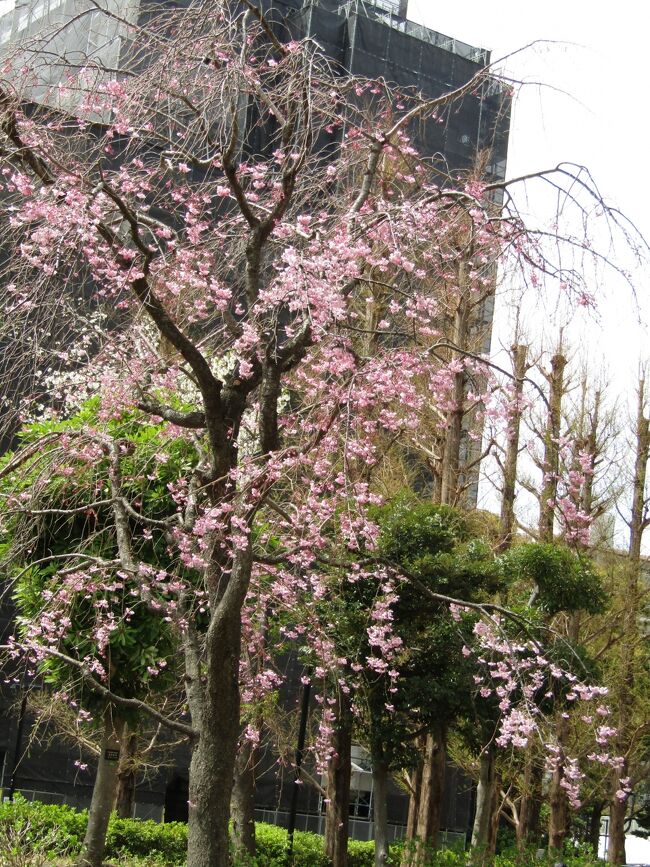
(372, 39)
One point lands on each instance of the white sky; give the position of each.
(600, 60)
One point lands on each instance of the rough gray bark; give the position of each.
(507, 519)
(104, 790)
(528, 830)
(243, 802)
(551, 448)
(213, 758)
(126, 775)
(433, 784)
(380, 812)
(558, 824)
(593, 830)
(485, 801)
(450, 469)
(338, 788)
(414, 805)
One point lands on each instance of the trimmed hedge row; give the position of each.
(58, 830)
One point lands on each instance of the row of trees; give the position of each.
(240, 358)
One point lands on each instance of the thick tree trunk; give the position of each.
(433, 783)
(379, 806)
(337, 815)
(104, 790)
(243, 802)
(212, 766)
(485, 803)
(126, 775)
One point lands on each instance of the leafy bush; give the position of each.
(55, 828)
(30, 832)
(165, 842)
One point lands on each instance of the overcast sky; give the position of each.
(591, 108)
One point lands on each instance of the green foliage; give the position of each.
(58, 476)
(58, 828)
(165, 842)
(564, 580)
(436, 544)
(56, 831)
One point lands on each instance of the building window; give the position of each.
(360, 805)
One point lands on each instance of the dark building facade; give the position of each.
(369, 38)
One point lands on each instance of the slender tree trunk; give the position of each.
(551, 448)
(450, 470)
(559, 812)
(616, 846)
(408, 853)
(380, 807)
(212, 766)
(104, 790)
(126, 775)
(558, 802)
(531, 802)
(520, 367)
(495, 816)
(485, 801)
(593, 830)
(243, 802)
(433, 783)
(337, 815)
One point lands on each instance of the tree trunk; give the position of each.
(551, 448)
(616, 845)
(558, 801)
(104, 790)
(212, 766)
(433, 782)
(593, 831)
(531, 802)
(507, 520)
(243, 802)
(337, 815)
(495, 816)
(126, 775)
(408, 853)
(450, 487)
(485, 803)
(379, 807)
(559, 812)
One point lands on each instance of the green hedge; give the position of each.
(58, 831)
